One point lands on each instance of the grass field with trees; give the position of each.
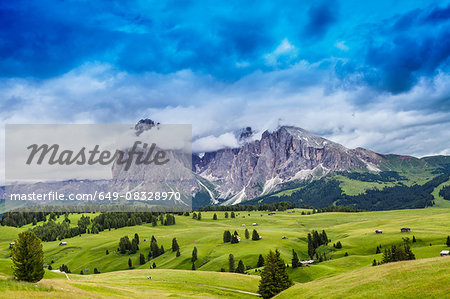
(172, 273)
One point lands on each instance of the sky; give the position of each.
(372, 74)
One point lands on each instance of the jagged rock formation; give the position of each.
(285, 155)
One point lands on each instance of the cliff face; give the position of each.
(285, 155)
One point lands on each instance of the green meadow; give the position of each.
(173, 275)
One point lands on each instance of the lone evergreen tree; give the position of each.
(240, 268)
(154, 265)
(295, 260)
(141, 259)
(215, 216)
(247, 234)
(260, 261)
(194, 254)
(448, 241)
(414, 239)
(231, 263)
(175, 246)
(273, 277)
(28, 257)
(338, 245)
(232, 215)
(255, 235)
(226, 215)
(226, 236)
(130, 264)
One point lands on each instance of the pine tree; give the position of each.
(231, 263)
(124, 244)
(316, 239)
(134, 246)
(274, 278)
(154, 249)
(226, 236)
(234, 239)
(311, 249)
(175, 246)
(240, 268)
(28, 257)
(107, 252)
(448, 241)
(136, 236)
(194, 254)
(414, 239)
(260, 261)
(154, 265)
(324, 237)
(215, 216)
(338, 245)
(247, 234)
(295, 260)
(130, 264)
(255, 235)
(141, 259)
(226, 215)
(232, 215)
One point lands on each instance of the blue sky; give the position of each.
(371, 74)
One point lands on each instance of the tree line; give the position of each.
(51, 230)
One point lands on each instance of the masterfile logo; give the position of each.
(98, 165)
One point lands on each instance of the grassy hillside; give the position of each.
(136, 284)
(410, 279)
(354, 230)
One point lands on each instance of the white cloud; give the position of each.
(284, 53)
(415, 123)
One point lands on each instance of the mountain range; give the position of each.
(288, 164)
(291, 157)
